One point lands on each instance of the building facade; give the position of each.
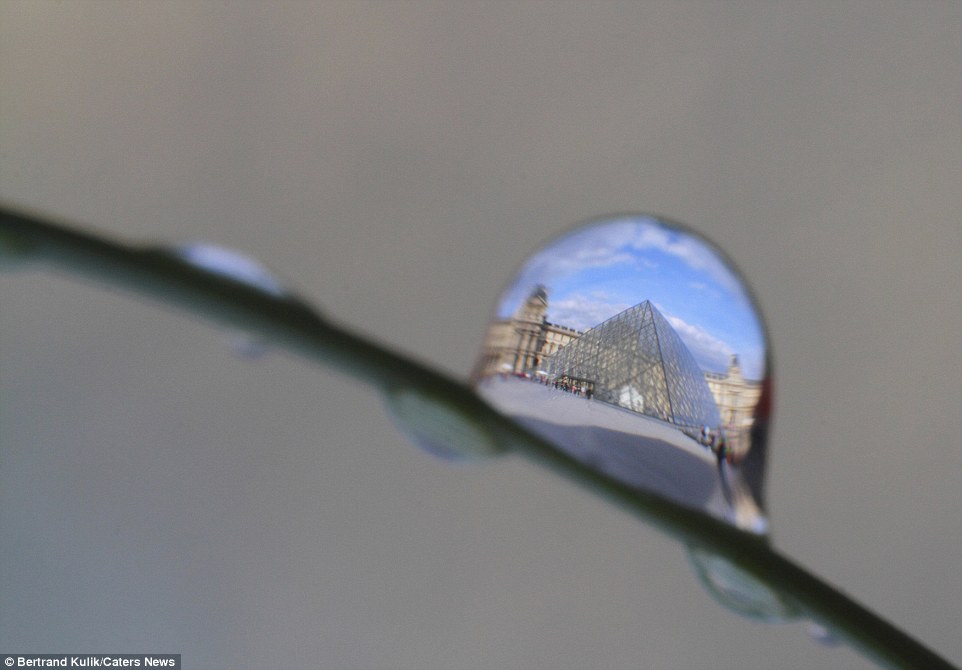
(521, 344)
(737, 398)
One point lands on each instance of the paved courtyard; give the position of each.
(626, 445)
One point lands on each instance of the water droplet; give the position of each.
(739, 591)
(232, 264)
(245, 345)
(633, 345)
(240, 268)
(15, 250)
(439, 427)
(822, 634)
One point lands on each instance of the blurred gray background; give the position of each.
(396, 162)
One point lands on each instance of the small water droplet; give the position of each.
(15, 250)
(822, 635)
(240, 268)
(739, 591)
(232, 264)
(245, 345)
(632, 344)
(440, 428)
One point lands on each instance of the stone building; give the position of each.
(520, 345)
(736, 398)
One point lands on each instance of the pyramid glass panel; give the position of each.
(636, 360)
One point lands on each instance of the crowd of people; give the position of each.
(582, 390)
(561, 383)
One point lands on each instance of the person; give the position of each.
(720, 448)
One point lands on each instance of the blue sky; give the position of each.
(608, 266)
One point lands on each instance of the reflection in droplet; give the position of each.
(634, 346)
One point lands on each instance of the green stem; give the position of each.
(292, 324)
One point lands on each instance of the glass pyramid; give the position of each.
(636, 360)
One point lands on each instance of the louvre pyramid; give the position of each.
(636, 360)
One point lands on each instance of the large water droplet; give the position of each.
(633, 345)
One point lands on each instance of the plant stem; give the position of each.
(288, 322)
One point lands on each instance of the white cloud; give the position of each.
(619, 242)
(584, 312)
(696, 253)
(591, 248)
(708, 350)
